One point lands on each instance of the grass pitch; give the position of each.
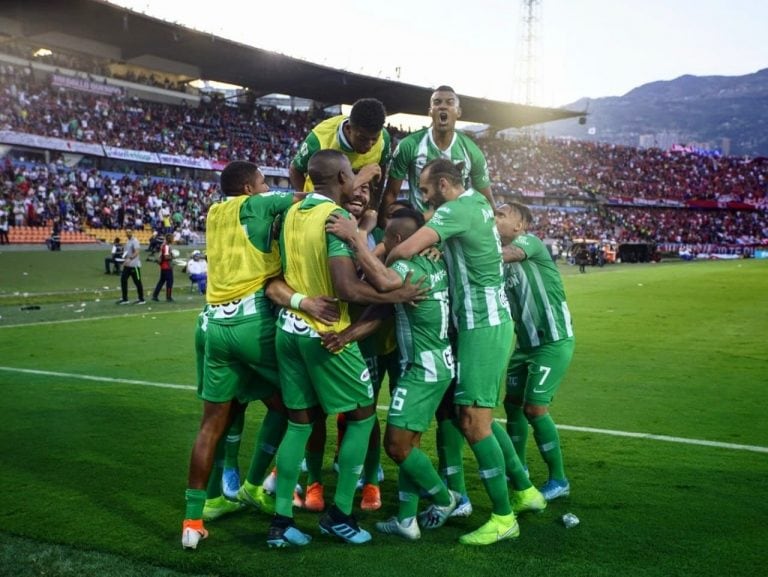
(100, 415)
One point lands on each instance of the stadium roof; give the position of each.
(100, 28)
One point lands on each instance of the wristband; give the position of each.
(296, 300)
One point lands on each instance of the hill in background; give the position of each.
(729, 113)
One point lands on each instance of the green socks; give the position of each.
(419, 469)
(270, 434)
(490, 459)
(195, 499)
(517, 427)
(548, 440)
(351, 456)
(234, 435)
(289, 457)
(373, 456)
(407, 496)
(514, 468)
(450, 450)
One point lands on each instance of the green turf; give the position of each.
(94, 471)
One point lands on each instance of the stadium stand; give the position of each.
(71, 158)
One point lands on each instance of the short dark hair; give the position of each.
(411, 213)
(522, 210)
(446, 88)
(444, 168)
(402, 203)
(405, 222)
(368, 114)
(236, 175)
(324, 165)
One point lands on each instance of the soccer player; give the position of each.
(438, 141)
(361, 137)
(544, 345)
(370, 347)
(313, 380)
(221, 499)
(427, 358)
(464, 222)
(239, 362)
(411, 155)
(380, 357)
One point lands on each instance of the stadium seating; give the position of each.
(576, 189)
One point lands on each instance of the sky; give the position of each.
(582, 48)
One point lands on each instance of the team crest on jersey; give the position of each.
(503, 298)
(448, 359)
(365, 375)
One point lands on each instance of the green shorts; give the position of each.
(534, 376)
(414, 402)
(201, 326)
(381, 366)
(482, 361)
(312, 376)
(240, 360)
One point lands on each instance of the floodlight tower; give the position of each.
(526, 80)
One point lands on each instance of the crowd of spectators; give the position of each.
(214, 130)
(531, 168)
(39, 194)
(570, 167)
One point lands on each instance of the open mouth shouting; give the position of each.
(356, 207)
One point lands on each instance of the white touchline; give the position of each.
(148, 312)
(99, 379)
(383, 408)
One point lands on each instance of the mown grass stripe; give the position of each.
(383, 408)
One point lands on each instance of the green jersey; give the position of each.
(417, 149)
(472, 246)
(329, 134)
(243, 255)
(422, 331)
(305, 249)
(536, 296)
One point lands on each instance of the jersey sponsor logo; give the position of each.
(225, 310)
(437, 218)
(512, 279)
(400, 268)
(296, 325)
(487, 214)
(437, 277)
